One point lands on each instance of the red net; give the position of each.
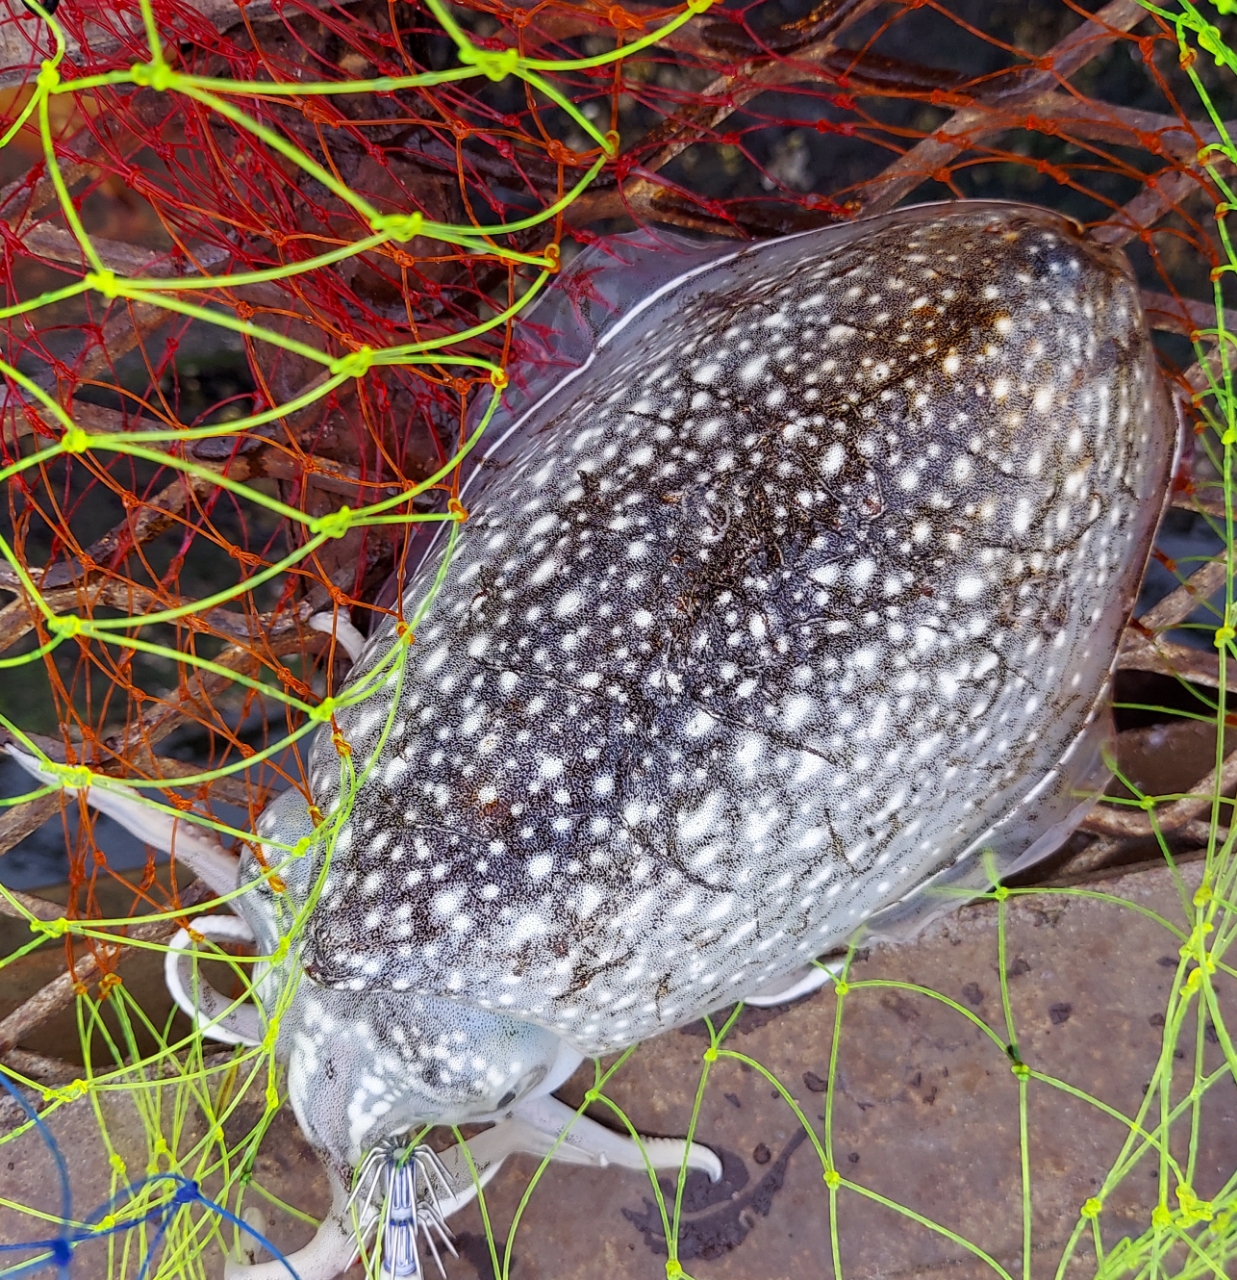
(750, 120)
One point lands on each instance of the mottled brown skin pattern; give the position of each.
(808, 584)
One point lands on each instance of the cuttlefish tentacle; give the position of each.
(198, 848)
(212, 1014)
(330, 1253)
(542, 1127)
(539, 1126)
(340, 626)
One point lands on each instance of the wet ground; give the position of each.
(925, 1114)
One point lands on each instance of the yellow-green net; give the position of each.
(264, 266)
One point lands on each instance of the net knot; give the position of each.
(355, 364)
(1210, 39)
(699, 6)
(457, 509)
(833, 1179)
(48, 78)
(1193, 1209)
(68, 1093)
(76, 777)
(398, 226)
(496, 66)
(50, 928)
(74, 440)
(334, 524)
(498, 378)
(66, 626)
(621, 20)
(1092, 1207)
(152, 75)
(104, 282)
(324, 710)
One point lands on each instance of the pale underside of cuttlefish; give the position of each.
(790, 609)
(435, 1185)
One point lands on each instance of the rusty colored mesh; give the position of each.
(751, 120)
(746, 120)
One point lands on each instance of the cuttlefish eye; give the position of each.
(801, 593)
(802, 590)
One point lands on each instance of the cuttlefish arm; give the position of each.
(542, 1127)
(199, 849)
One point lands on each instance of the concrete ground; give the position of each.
(925, 1115)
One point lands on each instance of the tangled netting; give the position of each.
(264, 266)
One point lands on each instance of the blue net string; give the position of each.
(57, 1251)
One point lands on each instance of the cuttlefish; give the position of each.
(790, 610)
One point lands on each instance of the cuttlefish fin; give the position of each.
(800, 983)
(544, 1127)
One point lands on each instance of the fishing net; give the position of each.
(264, 268)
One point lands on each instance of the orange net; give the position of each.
(751, 120)
(360, 197)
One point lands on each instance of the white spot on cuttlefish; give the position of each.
(755, 473)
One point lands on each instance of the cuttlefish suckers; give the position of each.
(802, 593)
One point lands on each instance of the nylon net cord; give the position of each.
(319, 514)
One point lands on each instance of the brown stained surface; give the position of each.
(925, 1113)
(924, 1101)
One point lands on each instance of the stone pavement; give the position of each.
(925, 1114)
